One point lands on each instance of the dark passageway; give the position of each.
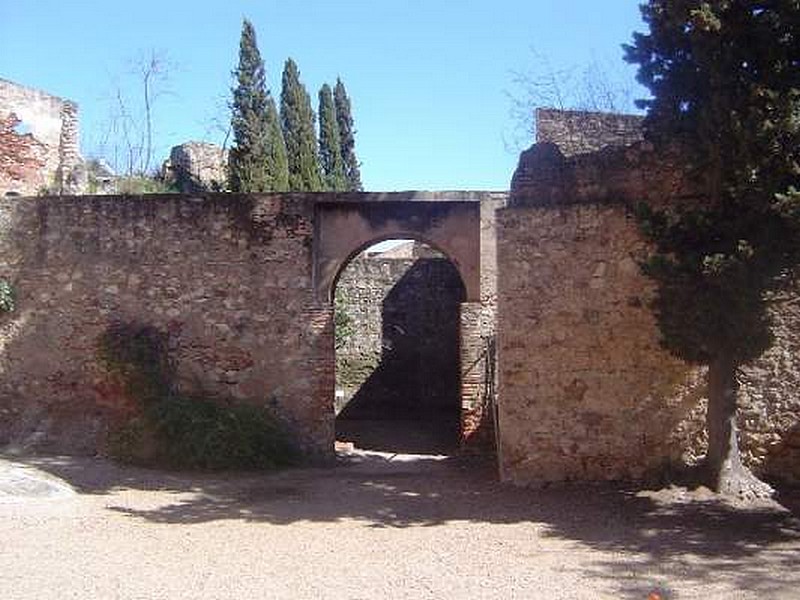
(398, 387)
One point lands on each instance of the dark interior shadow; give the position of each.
(411, 401)
(693, 538)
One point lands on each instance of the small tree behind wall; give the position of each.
(297, 120)
(330, 151)
(725, 84)
(257, 160)
(347, 139)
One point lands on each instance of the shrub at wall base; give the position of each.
(178, 430)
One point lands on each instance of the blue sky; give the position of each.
(429, 79)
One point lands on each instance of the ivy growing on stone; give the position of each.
(344, 328)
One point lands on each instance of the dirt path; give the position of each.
(378, 528)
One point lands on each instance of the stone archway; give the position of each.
(345, 226)
(396, 330)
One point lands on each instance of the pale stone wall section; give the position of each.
(585, 392)
(196, 167)
(39, 111)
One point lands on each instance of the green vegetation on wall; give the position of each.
(182, 430)
(342, 321)
(7, 296)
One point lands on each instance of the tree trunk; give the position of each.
(727, 475)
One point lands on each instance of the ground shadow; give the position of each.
(665, 534)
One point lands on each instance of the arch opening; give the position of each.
(397, 323)
(398, 246)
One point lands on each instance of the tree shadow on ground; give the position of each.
(659, 536)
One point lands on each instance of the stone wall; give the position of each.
(402, 357)
(230, 278)
(769, 403)
(585, 391)
(227, 276)
(579, 132)
(632, 174)
(196, 167)
(478, 340)
(38, 143)
(22, 159)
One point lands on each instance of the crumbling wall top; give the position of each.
(40, 124)
(579, 132)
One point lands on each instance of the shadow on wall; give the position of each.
(183, 264)
(411, 401)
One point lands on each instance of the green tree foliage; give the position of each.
(330, 151)
(344, 117)
(297, 120)
(179, 430)
(257, 158)
(277, 161)
(725, 82)
(7, 296)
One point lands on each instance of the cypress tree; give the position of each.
(344, 118)
(725, 83)
(330, 152)
(247, 162)
(276, 151)
(297, 121)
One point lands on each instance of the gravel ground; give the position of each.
(375, 527)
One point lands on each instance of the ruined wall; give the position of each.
(22, 159)
(585, 391)
(579, 132)
(196, 167)
(38, 142)
(227, 276)
(632, 174)
(401, 359)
